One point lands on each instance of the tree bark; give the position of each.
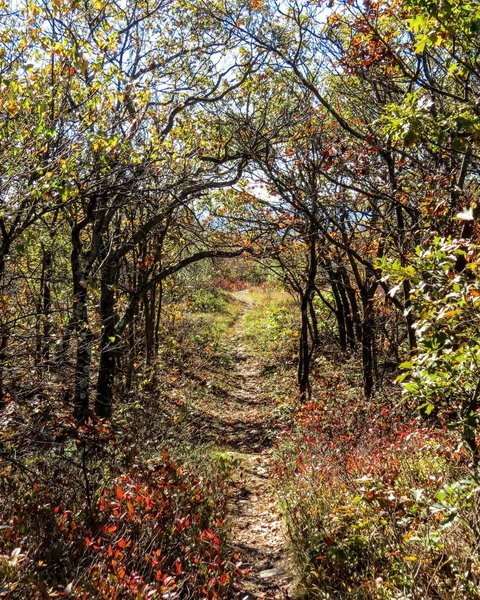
(82, 330)
(314, 322)
(304, 353)
(158, 318)
(108, 343)
(4, 330)
(339, 310)
(354, 322)
(44, 305)
(149, 310)
(368, 340)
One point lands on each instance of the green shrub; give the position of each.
(209, 301)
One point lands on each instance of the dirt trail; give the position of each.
(257, 530)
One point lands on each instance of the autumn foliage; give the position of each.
(328, 152)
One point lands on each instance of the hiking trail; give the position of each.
(257, 530)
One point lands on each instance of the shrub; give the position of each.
(76, 521)
(377, 506)
(209, 300)
(160, 534)
(443, 379)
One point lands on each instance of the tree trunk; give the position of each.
(412, 338)
(149, 311)
(314, 322)
(339, 310)
(401, 229)
(4, 330)
(130, 356)
(108, 343)
(82, 330)
(158, 318)
(47, 307)
(354, 322)
(44, 311)
(3, 348)
(368, 341)
(304, 353)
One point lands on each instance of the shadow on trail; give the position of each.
(233, 411)
(232, 433)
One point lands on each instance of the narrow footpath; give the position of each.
(257, 531)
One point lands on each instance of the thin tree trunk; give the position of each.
(412, 340)
(47, 307)
(368, 341)
(44, 306)
(108, 343)
(409, 319)
(82, 330)
(39, 318)
(158, 318)
(314, 322)
(149, 308)
(130, 356)
(3, 348)
(339, 310)
(4, 330)
(304, 353)
(355, 325)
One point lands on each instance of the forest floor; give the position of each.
(240, 425)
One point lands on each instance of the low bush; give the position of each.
(377, 505)
(160, 535)
(215, 300)
(76, 523)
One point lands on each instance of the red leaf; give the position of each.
(178, 567)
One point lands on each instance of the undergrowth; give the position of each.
(108, 510)
(385, 510)
(271, 327)
(378, 504)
